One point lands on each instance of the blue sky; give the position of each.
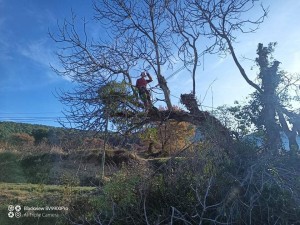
(28, 84)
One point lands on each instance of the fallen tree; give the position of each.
(210, 127)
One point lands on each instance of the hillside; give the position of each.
(28, 134)
(9, 128)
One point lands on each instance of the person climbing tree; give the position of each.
(141, 85)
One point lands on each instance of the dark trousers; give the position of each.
(145, 96)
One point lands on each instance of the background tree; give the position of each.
(273, 107)
(267, 95)
(222, 20)
(40, 135)
(236, 118)
(174, 136)
(169, 137)
(273, 103)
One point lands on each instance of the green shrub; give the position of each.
(11, 170)
(122, 189)
(37, 167)
(40, 135)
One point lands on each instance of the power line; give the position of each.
(31, 116)
(23, 118)
(23, 113)
(177, 71)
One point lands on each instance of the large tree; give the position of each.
(147, 34)
(271, 105)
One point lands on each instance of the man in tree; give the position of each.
(141, 85)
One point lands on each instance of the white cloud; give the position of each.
(4, 43)
(220, 61)
(40, 52)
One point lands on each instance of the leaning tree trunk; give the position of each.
(269, 100)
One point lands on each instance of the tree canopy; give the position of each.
(148, 35)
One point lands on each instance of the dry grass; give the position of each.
(23, 192)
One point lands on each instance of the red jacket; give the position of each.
(142, 82)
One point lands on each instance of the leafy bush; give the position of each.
(10, 168)
(169, 137)
(119, 198)
(37, 167)
(40, 135)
